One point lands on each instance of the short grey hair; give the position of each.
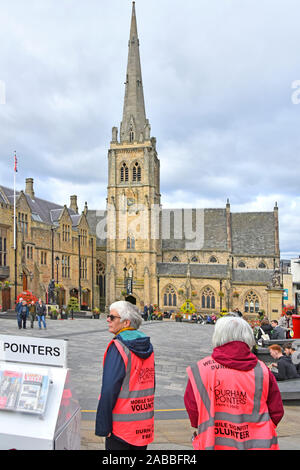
(127, 311)
(230, 328)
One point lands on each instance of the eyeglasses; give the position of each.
(112, 317)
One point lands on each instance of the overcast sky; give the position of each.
(218, 80)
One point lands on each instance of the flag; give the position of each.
(16, 161)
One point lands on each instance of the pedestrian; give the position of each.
(32, 311)
(278, 332)
(23, 313)
(17, 310)
(150, 312)
(125, 413)
(146, 311)
(265, 329)
(286, 369)
(41, 313)
(286, 322)
(232, 398)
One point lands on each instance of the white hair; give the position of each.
(127, 311)
(231, 328)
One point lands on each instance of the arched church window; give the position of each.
(170, 297)
(131, 134)
(262, 265)
(175, 259)
(213, 259)
(208, 299)
(130, 243)
(100, 277)
(194, 259)
(251, 302)
(241, 264)
(136, 172)
(124, 173)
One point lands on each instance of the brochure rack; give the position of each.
(38, 408)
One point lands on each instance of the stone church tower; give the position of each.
(133, 196)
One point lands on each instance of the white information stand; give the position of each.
(38, 409)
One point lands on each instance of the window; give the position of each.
(3, 252)
(131, 134)
(170, 297)
(213, 259)
(130, 243)
(241, 264)
(83, 268)
(66, 233)
(100, 270)
(194, 259)
(262, 265)
(83, 237)
(29, 252)
(43, 257)
(175, 259)
(136, 172)
(208, 299)
(251, 304)
(124, 173)
(65, 266)
(23, 222)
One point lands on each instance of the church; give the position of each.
(134, 248)
(213, 258)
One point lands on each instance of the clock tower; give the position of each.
(133, 195)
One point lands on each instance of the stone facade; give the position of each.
(49, 238)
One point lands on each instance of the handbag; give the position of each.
(264, 335)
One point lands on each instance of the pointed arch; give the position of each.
(208, 298)
(170, 296)
(251, 302)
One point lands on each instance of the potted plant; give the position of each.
(235, 294)
(178, 317)
(96, 313)
(53, 313)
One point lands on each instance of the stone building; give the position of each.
(214, 257)
(52, 242)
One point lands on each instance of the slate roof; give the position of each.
(43, 211)
(96, 220)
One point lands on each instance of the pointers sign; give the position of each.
(45, 351)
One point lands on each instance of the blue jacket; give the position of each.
(114, 373)
(19, 309)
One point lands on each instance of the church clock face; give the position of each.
(130, 201)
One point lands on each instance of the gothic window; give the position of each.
(241, 264)
(213, 259)
(124, 173)
(175, 259)
(262, 265)
(100, 270)
(170, 297)
(130, 243)
(194, 259)
(251, 304)
(208, 299)
(131, 134)
(136, 172)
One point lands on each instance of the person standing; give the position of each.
(125, 412)
(150, 312)
(23, 315)
(278, 332)
(146, 310)
(232, 398)
(41, 313)
(32, 311)
(286, 322)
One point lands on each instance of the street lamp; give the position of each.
(57, 263)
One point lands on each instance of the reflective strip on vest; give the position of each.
(255, 416)
(135, 405)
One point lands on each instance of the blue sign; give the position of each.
(285, 294)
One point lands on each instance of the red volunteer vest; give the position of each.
(133, 414)
(232, 407)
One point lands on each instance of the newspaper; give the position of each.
(23, 391)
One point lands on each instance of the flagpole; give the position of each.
(15, 229)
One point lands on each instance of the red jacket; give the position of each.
(237, 355)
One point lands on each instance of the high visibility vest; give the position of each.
(133, 413)
(232, 407)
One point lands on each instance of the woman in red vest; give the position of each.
(231, 397)
(125, 413)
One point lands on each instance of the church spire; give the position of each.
(134, 125)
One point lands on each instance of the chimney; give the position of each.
(29, 187)
(73, 203)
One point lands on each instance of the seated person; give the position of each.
(278, 332)
(291, 352)
(286, 369)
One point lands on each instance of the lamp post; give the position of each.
(57, 263)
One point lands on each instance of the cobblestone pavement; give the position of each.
(176, 345)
